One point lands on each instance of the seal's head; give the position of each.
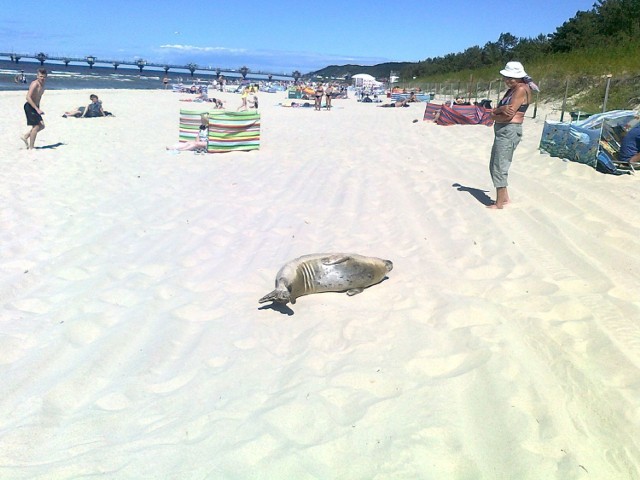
(279, 295)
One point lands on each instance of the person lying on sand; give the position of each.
(94, 109)
(400, 103)
(216, 101)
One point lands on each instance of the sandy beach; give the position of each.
(503, 345)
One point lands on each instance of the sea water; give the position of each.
(76, 77)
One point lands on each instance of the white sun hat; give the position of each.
(513, 70)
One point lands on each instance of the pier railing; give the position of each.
(139, 63)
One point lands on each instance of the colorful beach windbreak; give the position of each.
(228, 131)
(445, 114)
(234, 131)
(594, 141)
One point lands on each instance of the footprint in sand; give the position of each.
(31, 305)
(376, 382)
(14, 348)
(113, 402)
(246, 344)
(73, 274)
(120, 296)
(82, 332)
(449, 366)
(217, 362)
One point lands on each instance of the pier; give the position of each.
(141, 64)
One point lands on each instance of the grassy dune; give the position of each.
(585, 71)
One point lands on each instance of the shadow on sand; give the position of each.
(480, 195)
(53, 145)
(278, 307)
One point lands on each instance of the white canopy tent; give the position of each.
(365, 80)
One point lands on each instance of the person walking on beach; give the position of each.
(508, 117)
(244, 97)
(32, 108)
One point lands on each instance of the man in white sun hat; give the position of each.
(508, 117)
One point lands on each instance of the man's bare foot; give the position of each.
(26, 142)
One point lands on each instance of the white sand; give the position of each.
(504, 345)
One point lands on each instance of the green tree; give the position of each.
(470, 58)
(506, 43)
(529, 49)
(491, 53)
(578, 32)
(619, 19)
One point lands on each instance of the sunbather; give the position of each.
(94, 109)
(200, 144)
(400, 103)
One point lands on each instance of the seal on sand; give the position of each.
(327, 272)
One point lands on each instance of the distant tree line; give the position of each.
(608, 22)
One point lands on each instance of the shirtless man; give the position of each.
(32, 108)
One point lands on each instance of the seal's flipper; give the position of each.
(335, 259)
(354, 291)
(278, 295)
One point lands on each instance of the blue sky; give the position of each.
(277, 36)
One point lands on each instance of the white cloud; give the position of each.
(193, 48)
(256, 59)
